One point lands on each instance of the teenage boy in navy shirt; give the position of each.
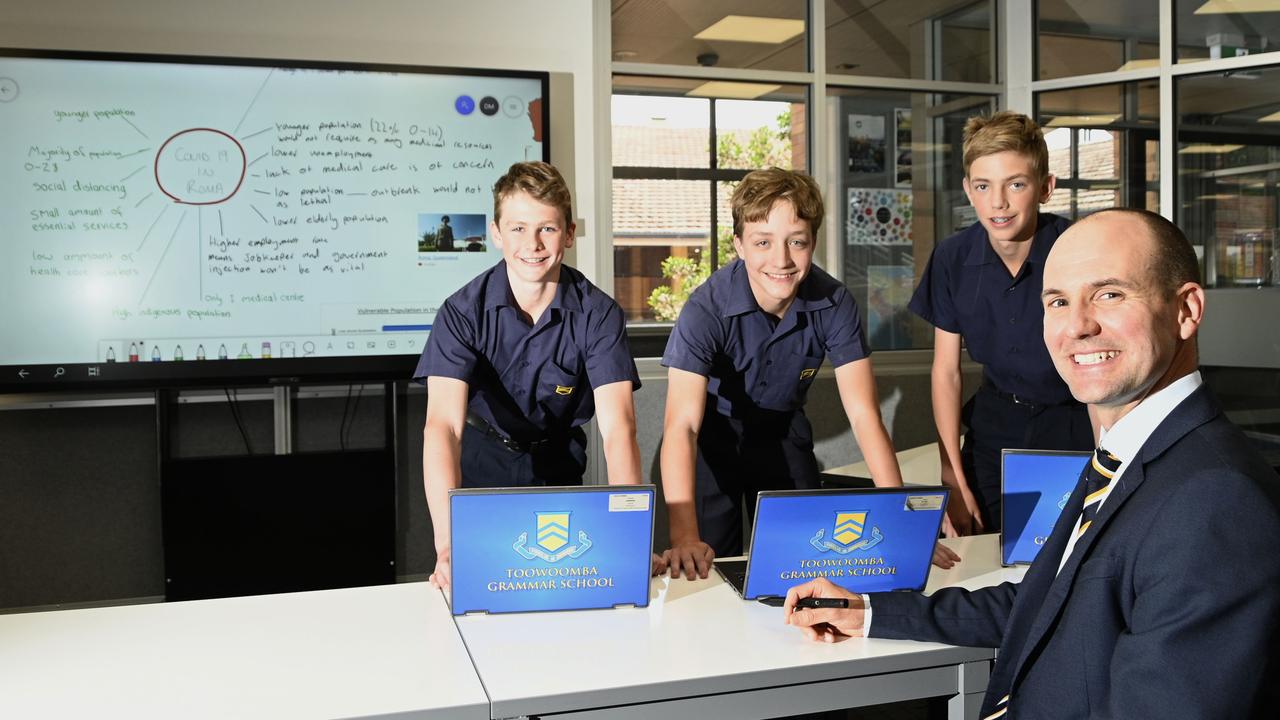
(983, 285)
(520, 358)
(742, 356)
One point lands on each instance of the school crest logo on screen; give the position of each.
(849, 534)
(551, 538)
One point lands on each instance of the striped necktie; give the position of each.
(1097, 476)
(1003, 706)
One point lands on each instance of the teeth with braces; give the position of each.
(1095, 358)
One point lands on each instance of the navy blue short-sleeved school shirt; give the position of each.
(751, 359)
(967, 289)
(529, 382)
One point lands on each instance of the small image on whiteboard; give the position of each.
(879, 217)
(452, 232)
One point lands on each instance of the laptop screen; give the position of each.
(527, 549)
(1036, 485)
(863, 540)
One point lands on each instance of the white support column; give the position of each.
(602, 176)
(1168, 141)
(1016, 20)
(820, 142)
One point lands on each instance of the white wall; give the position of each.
(553, 36)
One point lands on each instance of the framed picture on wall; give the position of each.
(866, 144)
(879, 217)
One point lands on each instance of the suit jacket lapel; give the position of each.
(1197, 409)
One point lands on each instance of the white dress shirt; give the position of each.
(1122, 440)
(1126, 437)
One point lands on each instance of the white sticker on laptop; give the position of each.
(629, 502)
(924, 502)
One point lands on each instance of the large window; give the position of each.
(712, 33)
(1082, 38)
(1210, 161)
(1103, 147)
(1216, 29)
(676, 159)
(694, 110)
(925, 39)
(899, 167)
(1228, 171)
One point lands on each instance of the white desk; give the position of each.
(979, 566)
(394, 650)
(700, 651)
(920, 465)
(374, 651)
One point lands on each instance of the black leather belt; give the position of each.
(1015, 399)
(511, 444)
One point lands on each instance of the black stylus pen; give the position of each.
(809, 602)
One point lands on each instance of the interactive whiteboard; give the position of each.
(173, 221)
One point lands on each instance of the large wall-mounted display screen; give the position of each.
(183, 221)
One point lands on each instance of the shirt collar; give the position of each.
(1126, 437)
(741, 299)
(981, 252)
(809, 297)
(497, 289)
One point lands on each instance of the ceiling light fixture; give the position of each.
(1208, 149)
(1230, 7)
(746, 28)
(732, 90)
(1079, 120)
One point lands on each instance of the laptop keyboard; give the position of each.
(734, 571)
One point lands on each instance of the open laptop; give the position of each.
(1035, 485)
(550, 548)
(866, 540)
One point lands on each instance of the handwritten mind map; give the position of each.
(160, 206)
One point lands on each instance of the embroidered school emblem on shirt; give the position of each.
(552, 538)
(562, 390)
(848, 534)
(807, 373)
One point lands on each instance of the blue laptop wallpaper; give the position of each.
(869, 541)
(1037, 484)
(521, 550)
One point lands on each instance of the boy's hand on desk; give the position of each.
(824, 624)
(692, 558)
(964, 513)
(444, 567)
(658, 565)
(944, 557)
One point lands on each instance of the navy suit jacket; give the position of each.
(1168, 607)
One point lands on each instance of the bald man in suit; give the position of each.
(1158, 595)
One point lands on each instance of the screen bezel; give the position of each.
(84, 376)
(765, 495)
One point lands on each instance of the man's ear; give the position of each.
(1190, 309)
